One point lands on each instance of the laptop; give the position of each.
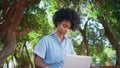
(77, 61)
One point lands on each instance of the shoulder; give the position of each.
(68, 39)
(46, 38)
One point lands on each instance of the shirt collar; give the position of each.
(53, 33)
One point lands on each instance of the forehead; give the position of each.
(66, 23)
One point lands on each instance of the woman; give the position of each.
(52, 49)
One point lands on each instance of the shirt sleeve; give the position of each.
(40, 48)
(72, 49)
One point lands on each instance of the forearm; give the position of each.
(39, 62)
(41, 65)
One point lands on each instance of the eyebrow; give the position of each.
(67, 26)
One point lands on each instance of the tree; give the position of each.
(102, 12)
(109, 12)
(11, 16)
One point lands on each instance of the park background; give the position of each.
(24, 22)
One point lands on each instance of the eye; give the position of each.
(64, 26)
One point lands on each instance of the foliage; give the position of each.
(38, 18)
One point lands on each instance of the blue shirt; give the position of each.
(53, 51)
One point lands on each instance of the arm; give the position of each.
(39, 63)
(40, 53)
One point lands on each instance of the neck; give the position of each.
(60, 36)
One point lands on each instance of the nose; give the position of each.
(67, 30)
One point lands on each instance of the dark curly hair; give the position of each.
(67, 14)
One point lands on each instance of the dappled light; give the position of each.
(24, 22)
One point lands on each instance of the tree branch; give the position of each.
(83, 32)
(86, 24)
(32, 2)
(4, 5)
(8, 13)
(111, 38)
(23, 32)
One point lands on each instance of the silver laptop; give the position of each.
(77, 61)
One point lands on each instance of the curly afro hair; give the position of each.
(67, 14)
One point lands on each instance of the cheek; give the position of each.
(61, 29)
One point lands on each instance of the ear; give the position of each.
(58, 24)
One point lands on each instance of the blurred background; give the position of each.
(24, 22)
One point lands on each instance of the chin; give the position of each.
(64, 33)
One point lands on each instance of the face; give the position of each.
(63, 27)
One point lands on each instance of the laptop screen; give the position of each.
(77, 61)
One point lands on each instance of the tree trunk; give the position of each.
(80, 47)
(9, 46)
(83, 32)
(111, 38)
(12, 18)
(14, 21)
